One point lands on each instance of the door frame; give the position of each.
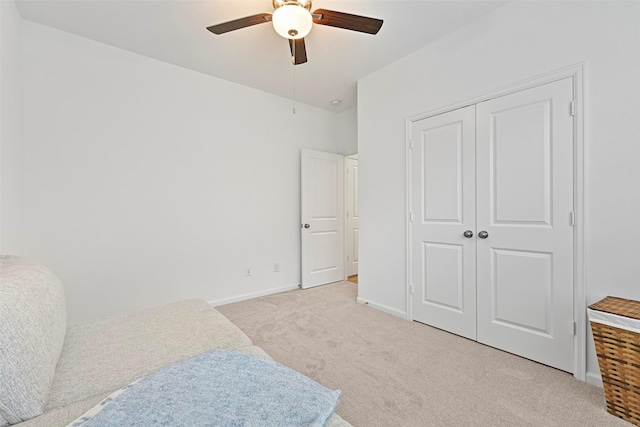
(577, 72)
(346, 217)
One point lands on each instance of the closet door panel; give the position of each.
(443, 203)
(524, 203)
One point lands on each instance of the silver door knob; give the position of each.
(306, 226)
(468, 234)
(483, 234)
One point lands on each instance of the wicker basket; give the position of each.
(618, 350)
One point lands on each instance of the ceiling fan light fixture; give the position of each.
(292, 21)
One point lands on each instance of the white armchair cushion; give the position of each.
(32, 331)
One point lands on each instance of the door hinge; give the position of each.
(573, 328)
(572, 218)
(410, 216)
(410, 144)
(572, 108)
(411, 289)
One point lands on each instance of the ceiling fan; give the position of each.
(292, 19)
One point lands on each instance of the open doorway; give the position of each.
(351, 217)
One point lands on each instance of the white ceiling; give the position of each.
(174, 31)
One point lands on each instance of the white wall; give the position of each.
(516, 42)
(11, 137)
(148, 183)
(348, 131)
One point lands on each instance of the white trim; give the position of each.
(594, 379)
(579, 183)
(383, 308)
(571, 71)
(345, 218)
(577, 73)
(252, 295)
(409, 188)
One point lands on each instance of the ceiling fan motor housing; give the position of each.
(303, 3)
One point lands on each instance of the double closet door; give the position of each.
(491, 224)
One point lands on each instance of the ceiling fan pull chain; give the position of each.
(294, 89)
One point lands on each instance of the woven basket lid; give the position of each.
(620, 306)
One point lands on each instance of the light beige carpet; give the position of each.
(398, 373)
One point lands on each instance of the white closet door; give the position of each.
(502, 170)
(443, 208)
(524, 204)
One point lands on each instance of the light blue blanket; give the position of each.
(219, 388)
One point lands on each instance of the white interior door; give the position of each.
(503, 170)
(353, 216)
(322, 213)
(525, 205)
(443, 208)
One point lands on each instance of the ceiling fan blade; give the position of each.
(298, 51)
(347, 21)
(236, 24)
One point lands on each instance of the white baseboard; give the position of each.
(252, 295)
(383, 308)
(595, 379)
